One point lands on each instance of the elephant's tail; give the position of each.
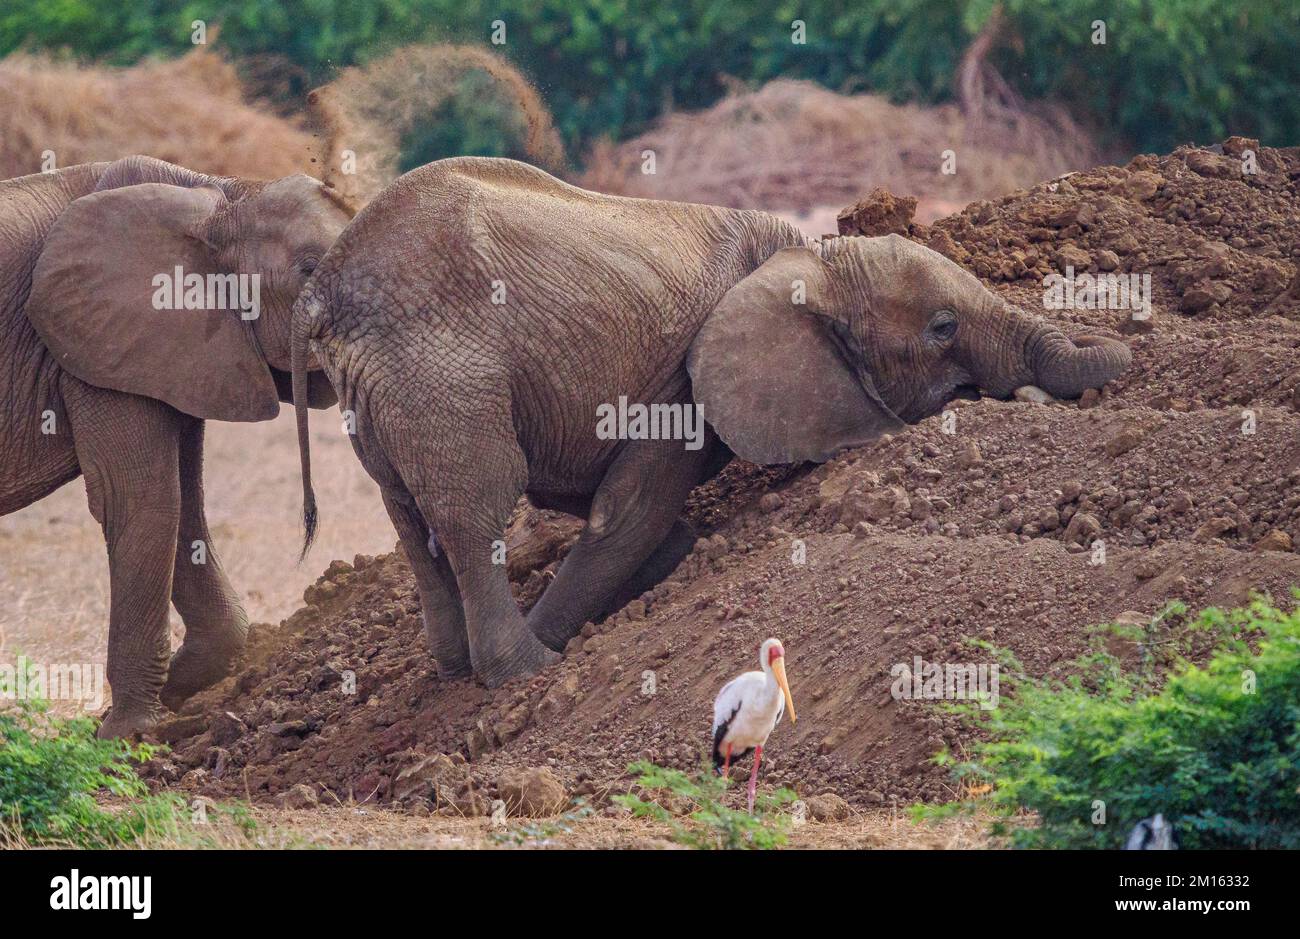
(298, 350)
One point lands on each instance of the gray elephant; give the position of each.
(114, 354)
(481, 319)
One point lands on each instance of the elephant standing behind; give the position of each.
(479, 316)
(100, 382)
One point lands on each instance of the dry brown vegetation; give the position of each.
(190, 111)
(795, 145)
(194, 111)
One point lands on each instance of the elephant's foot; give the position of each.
(449, 648)
(527, 658)
(125, 721)
(194, 668)
(556, 637)
(453, 667)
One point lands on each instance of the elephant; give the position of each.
(483, 320)
(107, 377)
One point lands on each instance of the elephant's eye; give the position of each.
(306, 266)
(943, 326)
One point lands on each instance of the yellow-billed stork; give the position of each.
(747, 710)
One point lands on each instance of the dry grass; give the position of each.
(189, 111)
(354, 826)
(794, 145)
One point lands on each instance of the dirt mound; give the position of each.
(1016, 522)
(795, 145)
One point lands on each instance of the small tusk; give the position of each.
(1033, 394)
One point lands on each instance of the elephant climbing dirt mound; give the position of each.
(495, 332)
(138, 298)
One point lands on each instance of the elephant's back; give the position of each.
(29, 207)
(32, 462)
(449, 227)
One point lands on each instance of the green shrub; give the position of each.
(51, 770)
(710, 825)
(1215, 748)
(1169, 72)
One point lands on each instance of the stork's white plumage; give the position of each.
(748, 709)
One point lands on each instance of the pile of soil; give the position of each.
(986, 524)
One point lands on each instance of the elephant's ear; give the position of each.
(103, 301)
(769, 375)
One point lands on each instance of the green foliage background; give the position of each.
(1171, 70)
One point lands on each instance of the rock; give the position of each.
(1072, 256)
(287, 728)
(886, 503)
(1090, 398)
(1236, 146)
(1139, 186)
(1213, 165)
(558, 698)
(1181, 502)
(477, 743)
(532, 793)
(301, 796)
(512, 724)
(226, 727)
(1107, 260)
(180, 728)
(1071, 489)
(1204, 294)
(828, 807)
(536, 538)
(1131, 618)
(1123, 442)
(770, 502)
(1082, 529)
(969, 455)
(1214, 528)
(1033, 394)
(1273, 540)
(437, 778)
(880, 213)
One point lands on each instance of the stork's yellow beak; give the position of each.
(778, 670)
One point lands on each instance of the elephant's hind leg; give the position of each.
(444, 616)
(635, 509)
(216, 625)
(128, 448)
(467, 502)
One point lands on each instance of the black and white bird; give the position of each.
(747, 710)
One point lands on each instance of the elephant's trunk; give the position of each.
(1065, 367)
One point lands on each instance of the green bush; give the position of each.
(710, 825)
(51, 770)
(1215, 748)
(1169, 72)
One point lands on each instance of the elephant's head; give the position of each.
(827, 347)
(178, 286)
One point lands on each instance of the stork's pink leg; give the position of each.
(753, 778)
(726, 762)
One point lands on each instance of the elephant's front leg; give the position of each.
(128, 448)
(216, 625)
(444, 617)
(634, 511)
